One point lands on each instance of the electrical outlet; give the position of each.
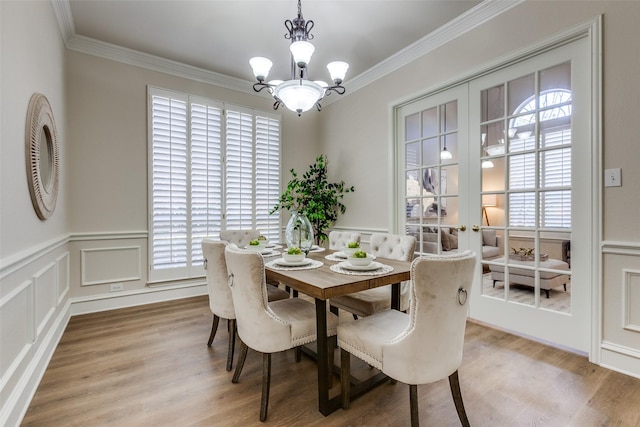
(613, 177)
(115, 287)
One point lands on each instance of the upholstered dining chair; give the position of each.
(424, 345)
(339, 239)
(240, 237)
(366, 303)
(267, 327)
(220, 300)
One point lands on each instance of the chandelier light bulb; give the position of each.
(302, 51)
(261, 67)
(299, 95)
(337, 69)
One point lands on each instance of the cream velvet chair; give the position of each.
(339, 239)
(220, 300)
(424, 345)
(365, 303)
(267, 327)
(240, 238)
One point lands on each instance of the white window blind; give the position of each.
(211, 167)
(169, 220)
(554, 189)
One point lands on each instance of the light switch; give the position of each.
(613, 177)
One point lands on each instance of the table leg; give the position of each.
(395, 296)
(323, 357)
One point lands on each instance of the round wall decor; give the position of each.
(42, 155)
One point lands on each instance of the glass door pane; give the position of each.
(525, 143)
(431, 170)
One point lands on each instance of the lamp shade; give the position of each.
(299, 95)
(302, 51)
(261, 67)
(337, 69)
(487, 164)
(445, 154)
(489, 200)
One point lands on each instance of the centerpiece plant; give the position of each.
(313, 195)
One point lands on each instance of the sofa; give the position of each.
(448, 242)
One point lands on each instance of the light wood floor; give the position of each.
(150, 366)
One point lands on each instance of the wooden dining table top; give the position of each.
(323, 283)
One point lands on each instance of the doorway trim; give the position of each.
(592, 30)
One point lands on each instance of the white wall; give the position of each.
(34, 262)
(108, 178)
(358, 136)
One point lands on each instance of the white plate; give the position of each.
(340, 255)
(282, 262)
(264, 251)
(373, 266)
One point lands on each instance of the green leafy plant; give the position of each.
(353, 245)
(255, 242)
(294, 251)
(316, 197)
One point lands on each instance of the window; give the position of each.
(211, 166)
(554, 162)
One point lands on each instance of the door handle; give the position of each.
(476, 228)
(462, 227)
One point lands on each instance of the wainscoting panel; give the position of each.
(45, 285)
(17, 333)
(631, 295)
(110, 265)
(62, 264)
(620, 343)
(34, 311)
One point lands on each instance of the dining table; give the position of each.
(322, 283)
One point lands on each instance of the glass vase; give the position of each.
(299, 232)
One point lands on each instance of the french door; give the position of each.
(529, 132)
(515, 187)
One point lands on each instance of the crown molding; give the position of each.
(469, 20)
(476, 16)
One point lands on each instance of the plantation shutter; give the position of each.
(239, 174)
(169, 183)
(554, 168)
(267, 175)
(210, 168)
(206, 174)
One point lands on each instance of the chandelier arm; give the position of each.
(259, 86)
(340, 90)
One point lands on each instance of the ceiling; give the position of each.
(222, 35)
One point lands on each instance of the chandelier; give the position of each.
(298, 94)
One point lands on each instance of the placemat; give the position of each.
(384, 269)
(333, 257)
(314, 264)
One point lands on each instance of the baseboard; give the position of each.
(620, 359)
(149, 295)
(14, 409)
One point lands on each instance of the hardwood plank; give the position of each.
(150, 366)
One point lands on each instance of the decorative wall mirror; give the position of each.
(42, 155)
